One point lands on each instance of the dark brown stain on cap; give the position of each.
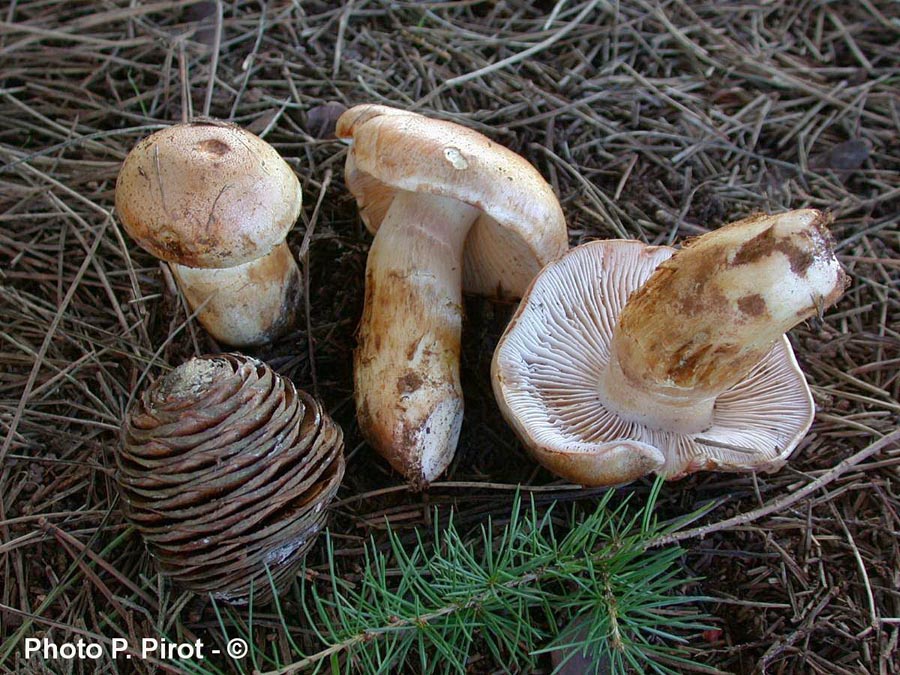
(213, 146)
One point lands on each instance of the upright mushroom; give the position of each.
(625, 359)
(216, 202)
(430, 190)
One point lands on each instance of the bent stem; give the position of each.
(406, 367)
(712, 312)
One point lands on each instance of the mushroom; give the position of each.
(216, 202)
(429, 190)
(226, 470)
(624, 358)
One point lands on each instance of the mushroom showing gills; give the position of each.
(625, 358)
(432, 189)
(216, 203)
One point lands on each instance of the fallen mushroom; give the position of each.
(216, 202)
(624, 358)
(430, 190)
(226, 470)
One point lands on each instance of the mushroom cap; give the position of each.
(207, 194)
(521, 227)
(548, 363)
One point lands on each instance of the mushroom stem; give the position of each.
(249, 304)
(406, 367)
(710, 313)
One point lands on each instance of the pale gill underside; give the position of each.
(550, 361)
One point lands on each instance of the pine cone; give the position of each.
(226, 470)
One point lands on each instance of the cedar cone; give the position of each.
(226, 469)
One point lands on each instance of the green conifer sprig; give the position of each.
(592, 589)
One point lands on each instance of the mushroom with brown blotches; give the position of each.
(216, 202)
(451, 210)
(624, 359)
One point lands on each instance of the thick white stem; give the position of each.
(652, 407)
(406, 367)
(245, 305)
(710, 313)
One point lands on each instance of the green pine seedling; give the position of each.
(513, 594)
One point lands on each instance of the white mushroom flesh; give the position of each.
(409, 402)
(216, 202)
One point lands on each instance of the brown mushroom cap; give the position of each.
(549, 361)
(522, 226)
(207, 194)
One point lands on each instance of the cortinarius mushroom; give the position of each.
(625, 359)
(433, 189)
(216, 202)
(226, 469)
